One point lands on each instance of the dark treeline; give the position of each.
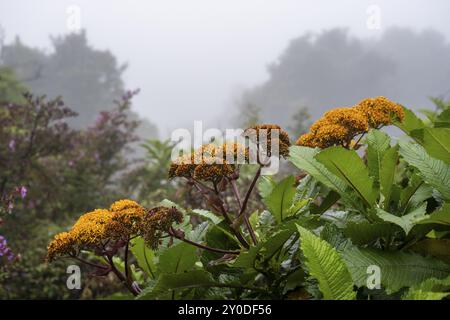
(85, 77)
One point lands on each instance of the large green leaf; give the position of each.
(435, 172)
(377, 144)
(207, 215)
(364, 232)
(406, 222)
(414, 183)
(436, 142)
(326, 265)
(387, 174)
(280, 199)
(410, 122)
(304, 158)
(443, 120)
(347, 165)
(177, 259)
(167, 283)
(441, 216)
(266, 185)
(144, 255)
(439, 248)
(398, 269)
(264, 249)
(430, 289)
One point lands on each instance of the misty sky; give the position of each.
(191, 58)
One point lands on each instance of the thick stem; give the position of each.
(247, 222)
(127, 271)
(357, 142)
(249, 192)
(201, 246)
(122, 278)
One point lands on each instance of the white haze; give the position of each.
(192, 58)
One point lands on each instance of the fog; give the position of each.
(194, 59)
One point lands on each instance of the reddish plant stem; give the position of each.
(201, 246)
(225, 215)
(121, 277)
(249, 192)
(246, 220)
(127, 272)
(88, 263)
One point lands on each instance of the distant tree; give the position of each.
(85, 77)
(301, 120)
(11, 89)
(249, 115)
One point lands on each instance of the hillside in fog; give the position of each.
(332, 68)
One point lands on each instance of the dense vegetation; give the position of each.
(361, 205)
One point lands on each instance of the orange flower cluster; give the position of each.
(339, 126)
(381, 111)
(124, 219)
(157, 222)
(262, 136)
(210, 162)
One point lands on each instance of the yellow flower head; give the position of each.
(126, 219)
(90, 229)
(206, 163)
(62, 244)
(94, 228)
(158, 221)
(212, 170)
(307, 140)
(333, 134)
(339, 126)
(351, 118)
(380, 111)
(182, 166)
(263, 135)
(234, 151)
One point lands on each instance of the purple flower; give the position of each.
(5, 251)
(23, 191)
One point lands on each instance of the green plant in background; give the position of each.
(149, 181)
(48, 173)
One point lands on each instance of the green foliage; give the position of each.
(11, 89)
(280, 200)
(430, 289)
(433, 171)
(304, 158)
(325, 265)
(170, 286)
(435, 141)
(364, 232)
(398, 269)
(348, 166)
(378, 144)
(410, 122)
(406, 222)
(177, 259)
(145, 256)
(149, 182)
